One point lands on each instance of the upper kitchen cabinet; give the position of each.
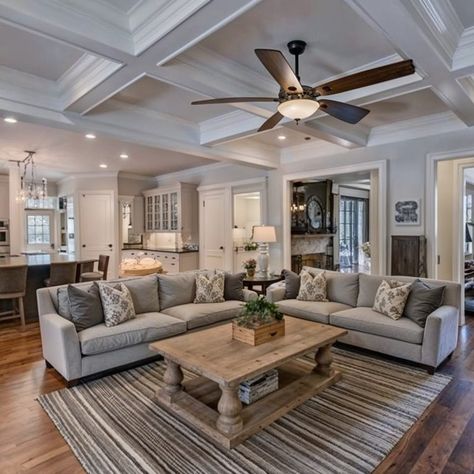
(172, 209)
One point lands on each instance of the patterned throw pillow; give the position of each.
(117, 303)
(210, 288)
(391, 298)
(312, 288)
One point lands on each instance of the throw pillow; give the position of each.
(234, 286)
(209, 288)
(312, 288)
(144, 292)
(292, 284)
(117, 303)
(391, 298)
(63, 303)
(422, 301)
(85, 307)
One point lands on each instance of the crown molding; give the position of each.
(404, 130)
(137, 177)
(83, 76)
(150, 26)
(464, 55)
(196, 171)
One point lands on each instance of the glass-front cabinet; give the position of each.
(172, 209)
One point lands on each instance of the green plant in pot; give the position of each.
(250, 265)
(258, 312)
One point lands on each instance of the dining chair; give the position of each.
(13, 287)
(61, 273)
(101, 273)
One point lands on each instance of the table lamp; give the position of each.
(263, 235)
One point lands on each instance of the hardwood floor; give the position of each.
(442, 441)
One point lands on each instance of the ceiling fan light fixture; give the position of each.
(297, 109)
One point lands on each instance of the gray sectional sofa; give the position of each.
(76, 354)
(351, 297)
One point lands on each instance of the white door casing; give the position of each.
(97, 226)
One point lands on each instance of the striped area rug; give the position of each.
(113, 426)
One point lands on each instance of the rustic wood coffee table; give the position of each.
(211, 404)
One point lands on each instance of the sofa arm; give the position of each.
(61, 345)
(249, 295)
(276, 292)
(441, 335)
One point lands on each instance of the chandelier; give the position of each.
(30, 187)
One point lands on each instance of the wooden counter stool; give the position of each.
(61, 273)
(101, 273)
(13, 287)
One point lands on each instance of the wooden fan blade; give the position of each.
(229, 100)
(279, 68)
(367, 78)
(346, 112)
(271, 122)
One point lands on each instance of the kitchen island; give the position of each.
(172, 259)
(38, 270)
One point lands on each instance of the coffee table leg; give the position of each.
(172, 378)
(323, 359)
(229, 408)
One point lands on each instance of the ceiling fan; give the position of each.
(297, 101)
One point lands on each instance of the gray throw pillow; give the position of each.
(63, 303)
(176, 289)
(292, 284)
(422, 301)
(234, 286)
(144, 292)
(85, 307)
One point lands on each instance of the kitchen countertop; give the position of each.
(39, 259)
(161, 249)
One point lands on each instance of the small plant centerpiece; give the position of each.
(259, 322)
(250, 265)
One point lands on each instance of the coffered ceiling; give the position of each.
(127, 70)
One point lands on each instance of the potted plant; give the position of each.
(250, 265)
(260, 321)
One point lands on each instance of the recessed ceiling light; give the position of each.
(90, 136)
(10, 120)
(103, 165)
(281, 137)
(124, 156)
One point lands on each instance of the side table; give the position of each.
(262, 281)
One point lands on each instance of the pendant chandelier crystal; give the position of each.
(30, 187)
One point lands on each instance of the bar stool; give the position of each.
(101, 273)
(61, 273)
(13, 287)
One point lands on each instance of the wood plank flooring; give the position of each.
(442, 441)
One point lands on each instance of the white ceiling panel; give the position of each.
(465, 11)
(162, 97)
(338, 39)
(123, 5)
(62, 152)
(34, 54)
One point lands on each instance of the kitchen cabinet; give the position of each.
(4, 198)
(171, 261)
(172, 209)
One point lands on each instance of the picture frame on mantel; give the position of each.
(407, 212)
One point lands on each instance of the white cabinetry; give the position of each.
(4, 198)
(171, 261)
(172, 209)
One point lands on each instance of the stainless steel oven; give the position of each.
(4, 233)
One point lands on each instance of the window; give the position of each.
(38, 229)
(468, 218)
(47, 203)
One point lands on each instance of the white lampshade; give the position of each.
(298, 108)
(264, 234)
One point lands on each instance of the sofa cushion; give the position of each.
(367, 320)
(391, 298)
(422, 301)
(312, 287)
(144, 292)
(117, 303)
(176, 289)
(202, 314)
(317, 311)
(292, 284)
(85, 307)
(368, 286)
(341, 287)
(209, 288)
(145, 327)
